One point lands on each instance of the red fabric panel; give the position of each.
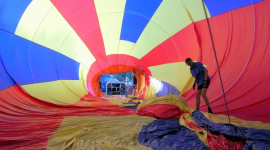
(181, 45)
(82, 17)
(163, 111)
(241, 38)
(26, 122)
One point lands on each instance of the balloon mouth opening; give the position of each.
(116, 84)
(93, 80)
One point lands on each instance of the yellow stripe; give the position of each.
(76, 86)
(83, 71)
(57, 92)
(176, 74)
(125, 47)
(32, 18)
(110, 15)
(43, 24)
(195, 9)
(188, 85)
(152, 88)
(34, 91)
(169, 18)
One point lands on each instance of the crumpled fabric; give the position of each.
(254, 138)
(99, 132)
(168, 134)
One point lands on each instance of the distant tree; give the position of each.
(122, 76)
(129, 75)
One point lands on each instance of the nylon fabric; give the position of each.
(167, 99)
(96, 132)
(254, 138)
(53, 53)
(213, 141)
(169, 134)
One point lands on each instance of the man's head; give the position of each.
(189, 62)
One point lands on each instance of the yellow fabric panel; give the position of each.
(52, 31)
(74, 48)
(169, 18)
(45, 28)
(83, 71)
(32, 17)
(76, 86)
(168, 99)
(58, 36)
(56, 90)
(98, 132)
(34, 91)
(125, 47)
(122, 101)
(196, 11)
(110, 15)
(188, 85)
(176, 74)
(152, 88)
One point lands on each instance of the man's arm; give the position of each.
(205, 74)
(194, 84)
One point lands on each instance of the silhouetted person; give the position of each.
(200, 73)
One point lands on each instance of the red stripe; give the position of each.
(181, 45)
(244, 63)
(163, 111)
(82, 17)
(27, 122)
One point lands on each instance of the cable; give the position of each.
(218, 69)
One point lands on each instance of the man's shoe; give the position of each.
(210, 111)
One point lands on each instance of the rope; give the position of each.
(218, 70)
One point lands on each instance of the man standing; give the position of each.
(200, 73)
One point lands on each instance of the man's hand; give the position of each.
(194, 86)
(205, 83)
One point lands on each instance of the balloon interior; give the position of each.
(55, 56)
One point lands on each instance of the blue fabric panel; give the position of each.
(169, 134)
(136, 16)
(27, 62)
(167, 89)
(21, 61)
(254, 138)
(11, 13)
(6, 43)
(2, 4)
(5, 80)
(67, 68)
(50, 65)
(38, 64)
(217, 7)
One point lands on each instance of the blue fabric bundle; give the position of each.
(168, 134)
(253, 138)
